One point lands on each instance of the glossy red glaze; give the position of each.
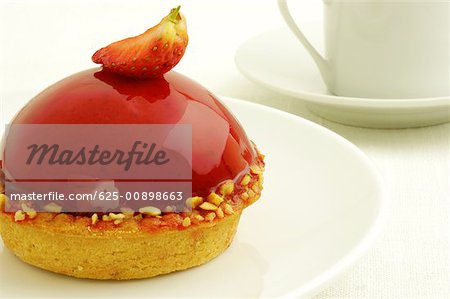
(221, 149)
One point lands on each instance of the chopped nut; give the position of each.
(119, 216)
(210, 217)
(138, 217)
(244, 196)
(29, 211)
(129, 213)
(94, 219)
(169, 209)
(19, 216)
(106, 218)
(208, 206)
(255, 188)
(193, 202)
(260, 181)
(186, 222)
(251, 194)
(220, 213)
(227, 188)
(151, 211)
(215, 199)
(118, 221)
(245, 180)
(53, 208)
(199, 217)
(255, 169)
(229, 209)
(32, 214)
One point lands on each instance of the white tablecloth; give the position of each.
(410, 259)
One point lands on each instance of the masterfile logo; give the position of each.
(98, 168)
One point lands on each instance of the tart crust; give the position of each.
(140, 246)
(117, 254)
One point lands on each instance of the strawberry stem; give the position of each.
(174, 14)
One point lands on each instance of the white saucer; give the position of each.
(319, 212)
(279, 62)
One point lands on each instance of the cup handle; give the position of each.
(318, 59)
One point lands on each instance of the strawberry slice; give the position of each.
(149, 55)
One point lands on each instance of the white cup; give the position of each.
(383, 48)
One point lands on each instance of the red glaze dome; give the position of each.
(220, 147)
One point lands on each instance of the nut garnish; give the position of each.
(260, 181)
(255, 169)
(186, 222)
(29, 211)
(210, 217)
(208, 206)
(244, 196)
(193, 202)
(151, 211)
(129, 213)
(199, 217)
(119, 216)
(53, 208)
(118, 221)
(169, 209)
(32, 215)
(255, 188)
(94, 219)
(215, 199)
(220, 213)
(229, 209)
(245, 180)
(138, 217)
(227, 188)
(19, 216)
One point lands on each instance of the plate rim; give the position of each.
(328, 99)
(371, 234)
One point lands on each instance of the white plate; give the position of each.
(279, 62)
(320, 210)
